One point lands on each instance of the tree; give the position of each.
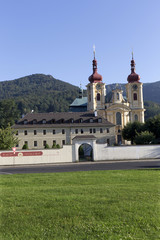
(7, 138)
(153, 125)
(131, 129)
(8, 113)
(143, 138)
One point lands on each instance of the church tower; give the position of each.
(95, 90)
(134, 91)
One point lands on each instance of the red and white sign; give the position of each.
(14, 149)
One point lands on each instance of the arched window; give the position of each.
(135, 117)
(135, 96)
(117, 96)
(118, 118)
(98, 97)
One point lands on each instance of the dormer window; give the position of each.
(44, 121)
(34, 121)
(99, 120)
(53, 121)
(71, 120)
(91, 120)
(25, 121)
(62, 120)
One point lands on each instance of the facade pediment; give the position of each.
(118, 107)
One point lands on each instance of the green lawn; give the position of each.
(81, 205)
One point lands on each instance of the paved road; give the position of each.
(85, 166)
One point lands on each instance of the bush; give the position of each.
(57, 146)
(25, 146)
(46, 146)
(54, 145)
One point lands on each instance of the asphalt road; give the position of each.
(83, 166)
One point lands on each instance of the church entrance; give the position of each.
(85, 152)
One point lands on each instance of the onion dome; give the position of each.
(133, 77)
(95, 77)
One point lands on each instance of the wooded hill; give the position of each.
(43, 93)
(39, 92)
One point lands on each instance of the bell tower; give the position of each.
(134, 90)
(95, 89)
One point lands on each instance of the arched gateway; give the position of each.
(88, 143)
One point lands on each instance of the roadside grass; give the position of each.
(110, 205)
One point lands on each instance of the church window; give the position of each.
(135, 117)
(117, 96)
(81, 131)
(35, 132)
(118, 118)
(101, 130)
(107, 141)
(107, 130)
(62, 120)
(54, 142)
(135, 96)
(90, 130)
(76, 131)
(35, 143)
(63, 142)
(94, 130)
(54, 131)
(44, 143)
(98, 97)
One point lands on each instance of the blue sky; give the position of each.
(56, 37)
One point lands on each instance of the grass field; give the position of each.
(109, 205)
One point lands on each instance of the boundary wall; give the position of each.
(44, 156)
(127, 152)
(68, 154)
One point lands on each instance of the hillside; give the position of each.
(151, 91)
(40, 92)
(43, 93)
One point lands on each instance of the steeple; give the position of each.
(133, 77)
(95, 77)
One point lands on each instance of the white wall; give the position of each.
(68, 154)
(62, 155)
(127, 152)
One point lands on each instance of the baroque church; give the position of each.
(119, 110)
(89, 118)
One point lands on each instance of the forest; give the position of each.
(44, 93)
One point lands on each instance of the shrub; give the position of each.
(57, 146)
(25, 146)
(46, 146)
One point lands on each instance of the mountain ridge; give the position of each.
(44, 93)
